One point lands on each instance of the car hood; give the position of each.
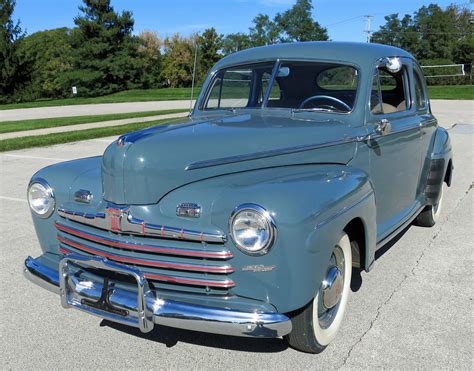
(142, 167)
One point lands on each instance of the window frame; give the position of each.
(406, 67)
(277, 64)
(216, 76)
(418, 72)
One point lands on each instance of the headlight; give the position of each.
(252, 229)
(41, 197)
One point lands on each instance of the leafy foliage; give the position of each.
(298, 25)
(150, 53)
(435, 36)
(178, 61)
(210, 43)
(295, 24)
(49, 56)
(13, 68)
(105, 53)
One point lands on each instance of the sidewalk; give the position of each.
(90, 109)
(63, 129)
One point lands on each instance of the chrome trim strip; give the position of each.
(119, 220)
(224, 254)
(343, 210)
(207, 268)
(265, 154)
(163, 312)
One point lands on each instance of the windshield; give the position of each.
(305, 86)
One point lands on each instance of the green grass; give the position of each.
(74, 136)
(451, 92)
(23, 125)
(137, 95)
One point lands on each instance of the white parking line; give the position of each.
(37, 157)
(13, 199)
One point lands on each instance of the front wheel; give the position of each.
(315, 326)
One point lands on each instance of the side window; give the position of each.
(375, 97)
(275, 93)
(231, 89)
(392, 94)
(420, 94)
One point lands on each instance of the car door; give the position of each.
(394, 152)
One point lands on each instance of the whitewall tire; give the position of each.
(316, 325)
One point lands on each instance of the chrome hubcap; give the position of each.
(331, 290)
(332, 287)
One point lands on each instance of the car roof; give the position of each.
(352, 52)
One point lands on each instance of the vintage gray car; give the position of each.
(297, 163)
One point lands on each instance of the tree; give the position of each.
(401, 33)
(437, 32)
(178, 61)
(235, 42)
(50, 57)
(264, 31)
(106, 57)
(209, 43)
(298, 25)
(13, 69)
(149, 49)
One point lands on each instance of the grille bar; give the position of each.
(121, 221)
(226, 283)
(148, 262)
(224, 254)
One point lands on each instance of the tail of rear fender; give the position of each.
(439, 166)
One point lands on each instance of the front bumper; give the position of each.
(136, 305)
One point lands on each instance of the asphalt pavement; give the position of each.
(413, 310)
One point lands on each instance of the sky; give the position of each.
(344, 19)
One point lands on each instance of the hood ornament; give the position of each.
(121, 141)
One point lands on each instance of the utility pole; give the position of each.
(368, 31)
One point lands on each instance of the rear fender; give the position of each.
(439, 166)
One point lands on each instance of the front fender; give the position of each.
(311, 205)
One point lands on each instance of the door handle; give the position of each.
(383, 127)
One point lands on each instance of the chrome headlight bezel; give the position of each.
(44, 186)
(269, 223)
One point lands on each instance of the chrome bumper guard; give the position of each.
(134, 304)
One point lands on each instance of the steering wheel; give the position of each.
(326, 97)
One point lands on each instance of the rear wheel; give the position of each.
(315, 326)
(430, 215)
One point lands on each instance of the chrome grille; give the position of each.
(194, 267)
